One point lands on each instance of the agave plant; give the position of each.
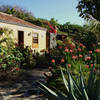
(76, 89)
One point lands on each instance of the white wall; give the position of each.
(27, 38)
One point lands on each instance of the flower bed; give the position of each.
(72, 56)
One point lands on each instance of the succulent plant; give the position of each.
(76, 89)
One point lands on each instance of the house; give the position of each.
(51, 40)
(24, 32)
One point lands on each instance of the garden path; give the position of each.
(26, 89)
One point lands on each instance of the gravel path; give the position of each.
(26, 89)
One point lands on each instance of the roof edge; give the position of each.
(15, 23)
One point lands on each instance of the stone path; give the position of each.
(26, 89)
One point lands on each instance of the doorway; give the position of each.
(21, 38)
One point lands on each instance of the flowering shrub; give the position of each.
(10, 60)
(12, 57)
(72, 56)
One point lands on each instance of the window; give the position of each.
(35, 40)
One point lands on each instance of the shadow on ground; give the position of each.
(27, 88)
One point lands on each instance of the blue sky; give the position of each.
(62, 10)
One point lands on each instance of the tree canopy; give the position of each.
(89, 7)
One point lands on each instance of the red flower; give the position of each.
(17, 69)
(69, 65)
(62, 60)
(53, 61)
(91, 65)
(66, 50)
(52, 29)
(81, 45)
(72, 46)
(79, 49)
(97, 50)
(80, 56)
(60, 47)
(74, 57)
(90, 52)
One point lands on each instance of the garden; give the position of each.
(75, 72)
(73, 65)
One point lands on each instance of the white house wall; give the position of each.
(27, 35)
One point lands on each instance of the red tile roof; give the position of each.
(14, 20)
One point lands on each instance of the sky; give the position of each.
(62, 10)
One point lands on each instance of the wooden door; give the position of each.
(20, 38)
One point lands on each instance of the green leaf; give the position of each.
(65, 81)
(91, 78)
(1, 60)
(49, 91)
(85, 96)
(76, 86)
(4, 66)
(71, 87)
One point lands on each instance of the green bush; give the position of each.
(28, 62)
(59, 42)
(10, 60)
(42, 60)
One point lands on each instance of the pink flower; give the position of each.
(90, 52)
(87, 58)
(62, 60)
(69, 65)
(79, 49)
(98, 43)
(91, 65)
(74, 57)
(71, 50)
(97, 50)
(53, 61)
(66, 50)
